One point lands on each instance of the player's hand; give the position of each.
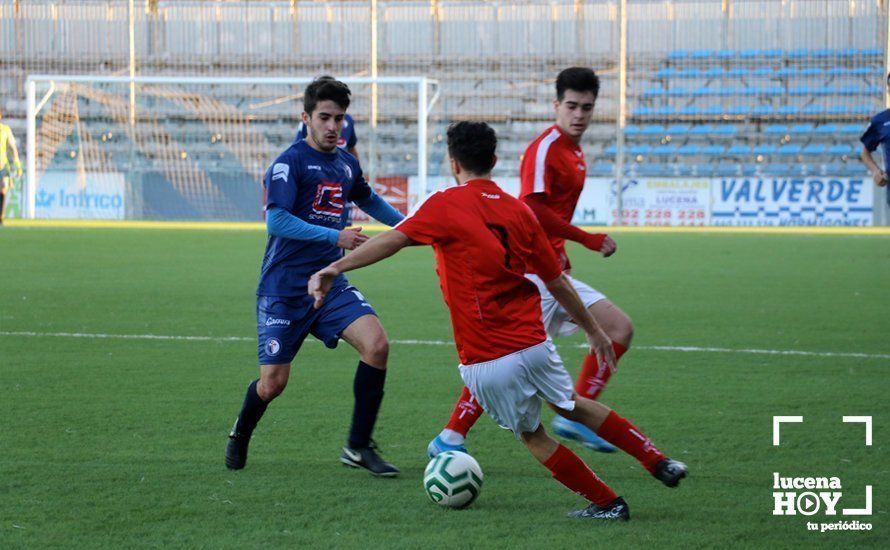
(351, 238)
(601, 346)
(880, 178)
(320, 284)
(602, 243)
(18, 169)
(608, 247)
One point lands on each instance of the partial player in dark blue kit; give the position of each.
(878, 133)
(309, 188)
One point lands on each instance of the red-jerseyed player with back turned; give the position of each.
(552, 177)
(485, 243)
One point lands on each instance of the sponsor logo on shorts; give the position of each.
(273, 346)
(272, 321)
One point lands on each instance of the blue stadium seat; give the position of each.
(801, 129)
(667, 72)
(725, 130)
(652, 130)
(677, 129)
(827, 129)
(610, 150)
(703, 130)
(739, 110)
(790, 149)
(641, 149)
(737, 72)
(841, 149)
(799, 53)
(765, 149)
(763, 71)
(725, 54)
(763, 110)
(689, 149)
(815, 110)
(653, 92)
(739, 149)
(871, 51)
(815, 149)
(775, 129)
(632, 130)
(701, 54)
(713, 150)
(852, 129)
(714, 72)
(727, 170)
(601, 169)
(788, 110)
(677, 54)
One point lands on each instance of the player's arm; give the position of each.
(543, 263)
(381, 246)
(281, 223)
(878, 175)
(555, 226)
(600, 344)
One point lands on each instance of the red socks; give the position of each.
(571, 471)
(465, 413)
(624, 435)
(594, 376)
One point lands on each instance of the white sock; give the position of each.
(451, 437)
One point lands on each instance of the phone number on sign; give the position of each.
(660, 216)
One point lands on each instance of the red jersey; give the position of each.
(553, 164)
(485, 242)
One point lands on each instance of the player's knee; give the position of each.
(271, 388)
(376, 353)
(622, 331)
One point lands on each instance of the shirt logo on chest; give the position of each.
(329, 199)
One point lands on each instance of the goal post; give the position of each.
(196, 148)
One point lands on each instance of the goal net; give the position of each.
(195, 148)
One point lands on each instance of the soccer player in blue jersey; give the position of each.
(878, 133)
(309, 188)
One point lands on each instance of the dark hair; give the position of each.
(472, 145)
(325, 88)
(579, 79)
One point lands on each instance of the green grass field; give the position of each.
(118, 442)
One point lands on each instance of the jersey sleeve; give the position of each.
(361, 189)
(536, 170)
(542, 261)
(281, 183)
(872, 137)
(427, 223)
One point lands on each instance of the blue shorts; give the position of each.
(284, 322)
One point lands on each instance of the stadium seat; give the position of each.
(815, 149)
(798, 129)
(738, 149)
(775, 129)
(677, 129)
(765, 149)
(652, 130)
(790, 149)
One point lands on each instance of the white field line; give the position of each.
(685, 349)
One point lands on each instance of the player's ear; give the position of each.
(555, 104)
(495, 163)
(305, 117)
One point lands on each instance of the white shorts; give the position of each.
(510, 388)
(557, 321)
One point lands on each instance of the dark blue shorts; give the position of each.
(283, 323)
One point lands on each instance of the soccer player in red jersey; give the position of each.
(552, 177)
(485, 243)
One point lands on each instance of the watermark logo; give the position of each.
(818, 495)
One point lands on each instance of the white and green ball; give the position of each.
(453, 479)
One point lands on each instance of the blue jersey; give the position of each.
(347, 140)
(315, 187)
(878, 133)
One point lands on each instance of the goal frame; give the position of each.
(428, 91)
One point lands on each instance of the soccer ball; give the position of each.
(453, 479)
